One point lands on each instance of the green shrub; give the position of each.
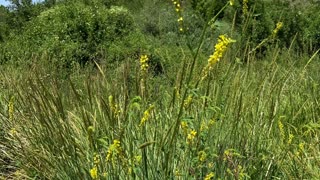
(311, 31)
(73, 32)
(207, 8)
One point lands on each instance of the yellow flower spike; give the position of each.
(220, 49)
(212, 122)
(13, 132)
(231, 2)
(184, 126)
(187, 101)
(146, 115)
(279, 26)
(291, 136)
(210, 165)
(177, 173)
(301, 147)
(104, 174)
(137, 160)
(96, 159)
(94, 172)
(245, 7)
(180, 19)
(202, 156)
(144, 63)
(114, 151)
(209, 176)
(191, 136)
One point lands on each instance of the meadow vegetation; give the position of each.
(150, 89)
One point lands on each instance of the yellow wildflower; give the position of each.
(202, 156)
(220, 49)
(184, 126)
(204, 126)
(210, 165)
(212, 122)
(137, 160)
(276, 30)
(301, 147)
(144, 63)
(245, 7)
(114, 107)
(291, 136)
(94, 172)
(96, 159)
(177, 173)
(13, 132)
(114, 150)
(187, 101)
(209, 176)
(177, 7)
(146, 115)
(191, 136)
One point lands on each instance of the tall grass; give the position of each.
(61, 129)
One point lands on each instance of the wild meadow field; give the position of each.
(160, 90)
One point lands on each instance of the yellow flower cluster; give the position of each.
(291, 136)
(276, 30)
(94, 172)
(177, 6)
(96, 159)
(245, 7)
(220, 49)
(202, 156)
(209, 176)
(13, 132)
(206, 125)
(184, 126)
(146, 115)
(137, 160)
(114, 151)
(191, 136)
(114, 107)
(144, 64)
(300, 150)
(187, 101)
(177, 173)
(301, 146)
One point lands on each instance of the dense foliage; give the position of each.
(153, 89)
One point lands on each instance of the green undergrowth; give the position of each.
(256, 119)
(171, 100)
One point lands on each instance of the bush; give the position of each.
(73, 32)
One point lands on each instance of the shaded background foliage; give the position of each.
(81, 31)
